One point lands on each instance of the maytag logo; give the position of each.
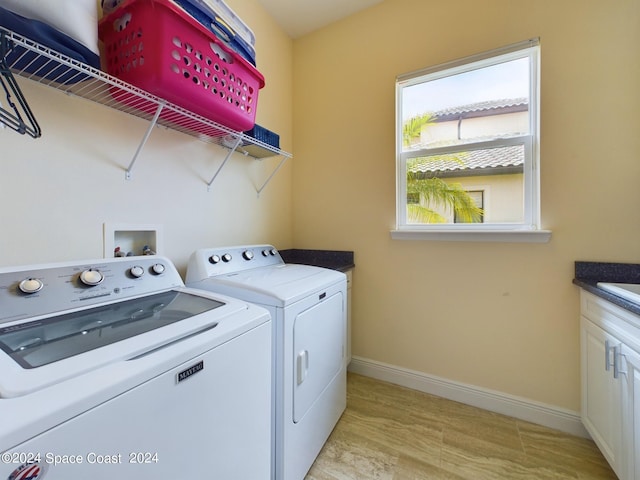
(28, 471)
(192, 370)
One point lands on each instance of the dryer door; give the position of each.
(318, 347)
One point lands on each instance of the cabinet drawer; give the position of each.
(611, 318)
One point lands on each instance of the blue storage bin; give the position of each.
(264, 135)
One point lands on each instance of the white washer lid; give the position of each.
(277, 285)
(217, 326)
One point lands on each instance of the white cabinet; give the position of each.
(631, 390)
(349, 281)
(601, 393)
(610, 351)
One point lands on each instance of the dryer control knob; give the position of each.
(247, 254)
(273, 251)
(214, 259)
(226, 257)
(157, 268)
(30, 285)
(265, 253)
(91, 277)
(136, 271)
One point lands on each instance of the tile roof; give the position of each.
(486, 108)
(489, 161)
(493, 158)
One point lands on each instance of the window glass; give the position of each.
(472, 122)
(484, 103)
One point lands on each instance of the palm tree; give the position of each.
(432, 191)
(412, 128)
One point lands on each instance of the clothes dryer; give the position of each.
(308, 310)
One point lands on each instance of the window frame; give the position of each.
(527, 230)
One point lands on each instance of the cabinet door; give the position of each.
(631, 367)
(349, 281)
(602, 393)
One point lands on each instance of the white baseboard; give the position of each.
(535, 412)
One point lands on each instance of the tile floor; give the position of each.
(394, 433)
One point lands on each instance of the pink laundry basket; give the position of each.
(156, 46)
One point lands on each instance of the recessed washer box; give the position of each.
(131, 238)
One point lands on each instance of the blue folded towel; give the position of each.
(31, 62)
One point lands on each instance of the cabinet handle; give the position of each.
(607, 357)
(617, 361)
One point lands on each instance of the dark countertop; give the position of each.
(333, 259)
(588, 274)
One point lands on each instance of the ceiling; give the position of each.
(299, 17)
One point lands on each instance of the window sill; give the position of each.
(455, 235)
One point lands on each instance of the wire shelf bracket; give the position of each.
(280, 164)
(224, 162)
(152, 124)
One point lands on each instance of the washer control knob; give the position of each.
(265, 253)
(30, 285)
(226, 258)
(214, 259)
(157, 268)
(136, 271)
(247, 254)
(91, 277)
(273, 251)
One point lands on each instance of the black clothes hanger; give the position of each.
(19, 106)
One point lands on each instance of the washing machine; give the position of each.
(308, 307)
(111, 369)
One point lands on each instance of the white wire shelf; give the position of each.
(60, 72)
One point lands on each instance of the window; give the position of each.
(467, 123)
